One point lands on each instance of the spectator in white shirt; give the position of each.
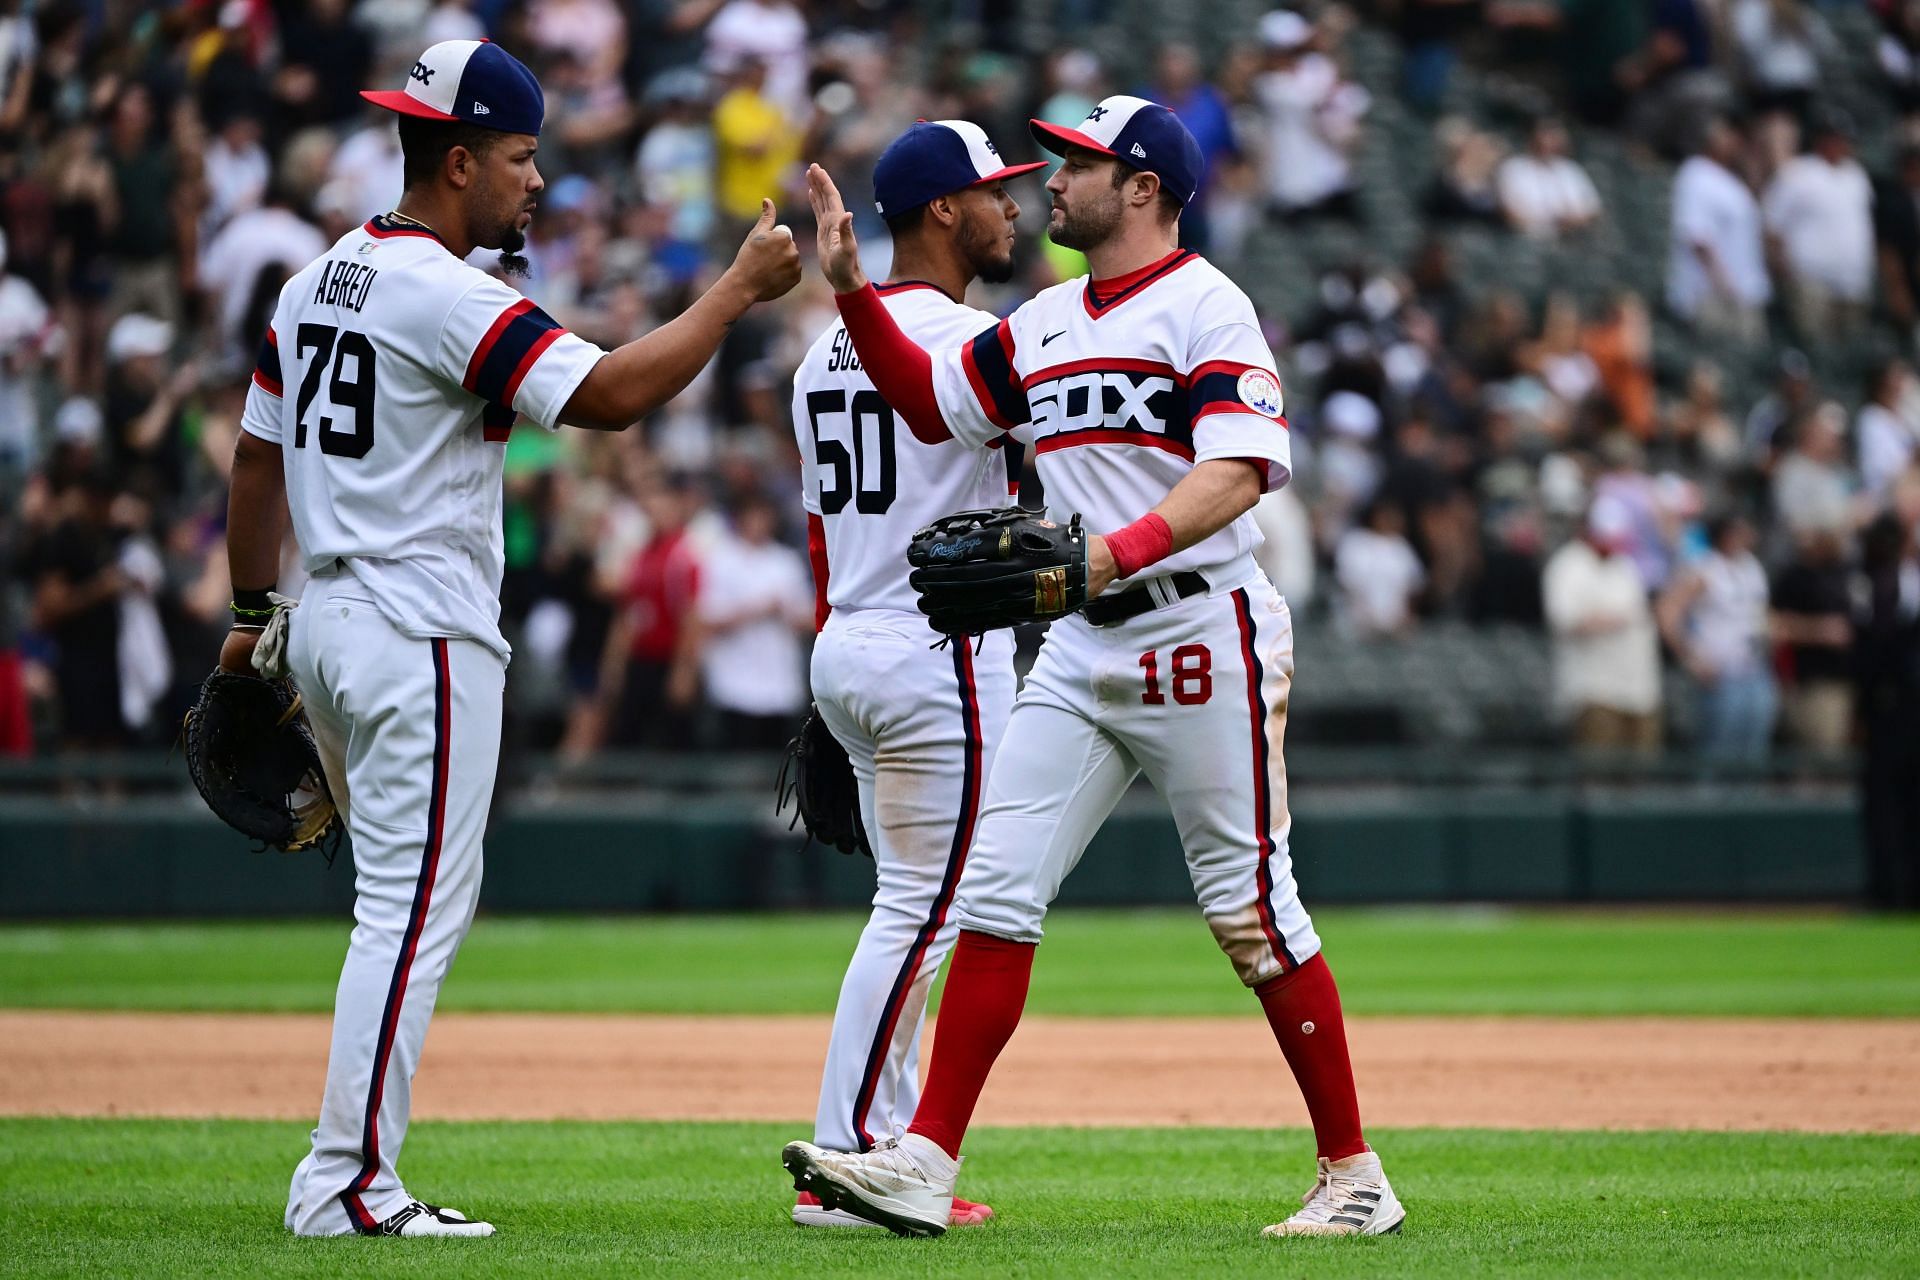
(236, 170)
(772, 32)
(1818, 212)
(1716, 265)
(230, 268)
(756, 602)
(1312, 118)
(1781, 44)
(368, 173)
(1379, 574)
(1811, 488)
(1715, 618)
(27, 335)
(1606, 652)
(1887, 430)
(1543, 191)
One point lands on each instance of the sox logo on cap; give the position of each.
(936, 158)
(1144, 134)
(474, 81)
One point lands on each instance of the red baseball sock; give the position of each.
(1303, 1008)
(986, 990)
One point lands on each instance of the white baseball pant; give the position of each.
(409, 732)
(1195, 696)
(920, 726)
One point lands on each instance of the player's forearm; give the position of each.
(901, 369)
(1207, 499)
(634, 380)
(256, 514)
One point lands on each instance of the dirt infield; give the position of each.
(1628, 1073)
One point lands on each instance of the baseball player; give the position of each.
(1155, 411)
(920, 725)
(381, 403)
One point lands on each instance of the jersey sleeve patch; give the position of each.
(988, 361)
(266, 365)
(508, 350)
(1223, 386)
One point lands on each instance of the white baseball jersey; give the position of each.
(870, 482)
(1126, 386)
(390, 377)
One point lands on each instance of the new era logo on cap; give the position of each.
(448, 82)
(936, 158)
(1144, 134)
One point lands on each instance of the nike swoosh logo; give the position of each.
(1050, 337)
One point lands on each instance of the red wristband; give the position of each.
(1146, 541)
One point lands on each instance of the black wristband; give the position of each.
(253, 601)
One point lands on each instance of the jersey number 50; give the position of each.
(844, 475)
(353, 393)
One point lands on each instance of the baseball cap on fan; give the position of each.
(1139, 133)
(470, 81)
(936, 158)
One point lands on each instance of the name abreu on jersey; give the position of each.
(863, 473)
(390, 376)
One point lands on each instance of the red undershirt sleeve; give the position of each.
(901, 370)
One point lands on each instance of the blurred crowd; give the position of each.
(1464, 449)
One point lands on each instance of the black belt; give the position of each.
(1134, 601)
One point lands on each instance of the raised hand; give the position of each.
(769, 261)
(839, 251)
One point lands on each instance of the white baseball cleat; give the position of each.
(809, 1212)
(905, 1186)
(419, 1219)
(1351, 1197)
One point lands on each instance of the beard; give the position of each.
(511, 242)
(988, 253)
(1088, 226)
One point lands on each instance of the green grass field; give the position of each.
(204, 1199)
(1094, 962)
(89, 1197)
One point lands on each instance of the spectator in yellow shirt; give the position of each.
(757, 144)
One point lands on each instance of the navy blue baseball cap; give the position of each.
(472, 81)
(1137, 132)
(936, 158)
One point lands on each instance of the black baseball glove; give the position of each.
(978, 570)
(253, 761)
(818, 778)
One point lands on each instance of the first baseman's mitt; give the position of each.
(978, 570)
(818, 778)
(253, 761)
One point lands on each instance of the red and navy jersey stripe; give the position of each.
(508, 350)
(988, 361)
(1214, 387)
(266, 365)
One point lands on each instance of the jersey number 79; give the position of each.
(350, 387)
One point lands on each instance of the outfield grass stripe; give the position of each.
(1756, 1074)
(1160, 963)
(87, 1198)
